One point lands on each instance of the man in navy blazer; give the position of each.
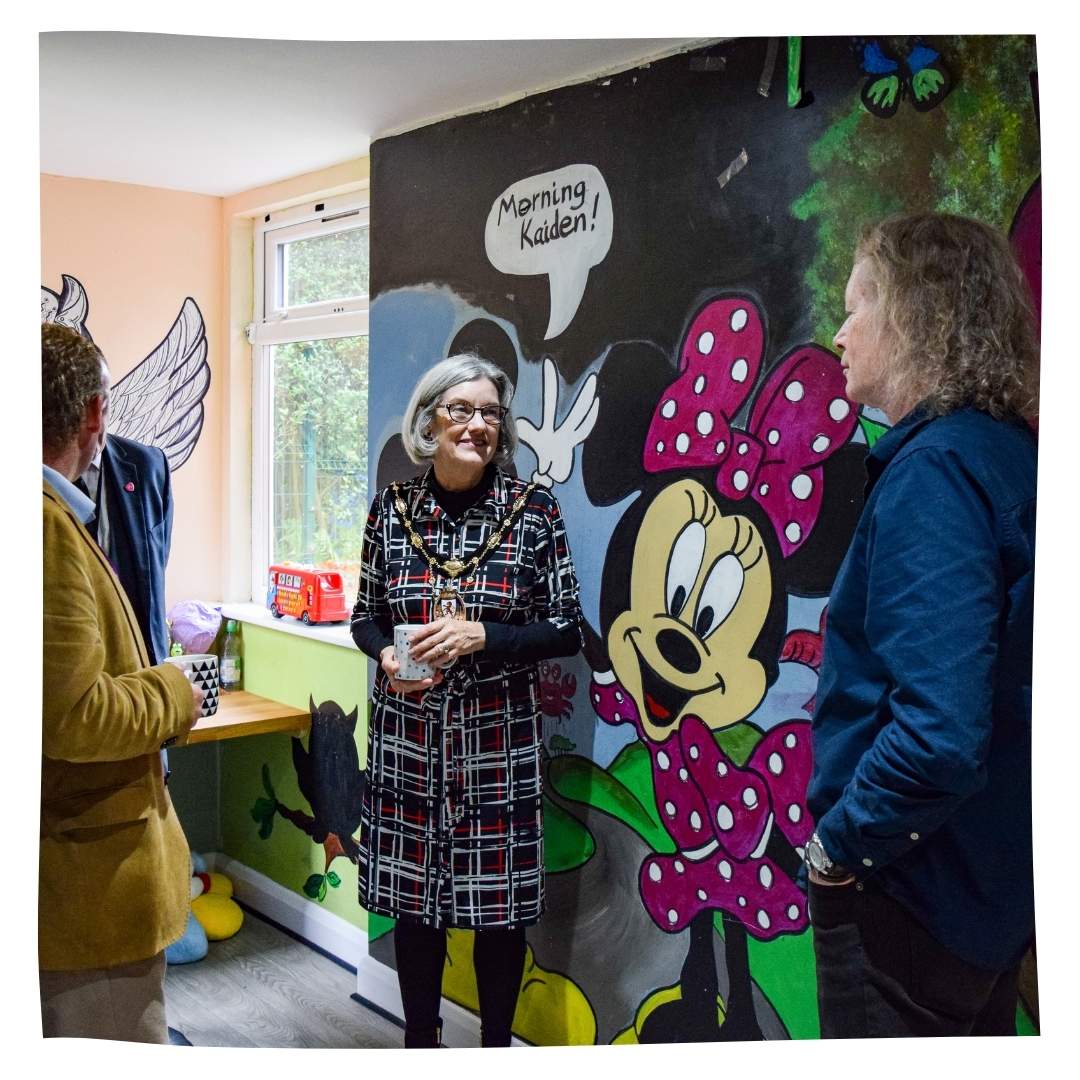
(131, 487)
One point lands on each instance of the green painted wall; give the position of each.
(289, 668)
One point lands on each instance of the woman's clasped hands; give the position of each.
(437, 643)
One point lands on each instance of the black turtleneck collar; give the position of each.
(457, 503)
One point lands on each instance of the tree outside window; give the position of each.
(315, 276)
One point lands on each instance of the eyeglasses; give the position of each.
(461, 412)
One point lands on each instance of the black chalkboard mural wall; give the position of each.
(658, 260)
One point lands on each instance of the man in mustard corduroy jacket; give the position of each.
(114, 875)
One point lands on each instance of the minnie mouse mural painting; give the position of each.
(734, 515)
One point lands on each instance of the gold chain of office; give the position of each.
(454, 568)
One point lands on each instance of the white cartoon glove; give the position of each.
(554, 446)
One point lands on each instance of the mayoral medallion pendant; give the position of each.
(449, 603)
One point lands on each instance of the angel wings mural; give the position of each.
(160, 401)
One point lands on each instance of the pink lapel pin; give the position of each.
(129, 486)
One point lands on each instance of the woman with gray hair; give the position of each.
(477, 562)
(920, 877)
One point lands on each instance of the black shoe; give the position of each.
(423, 1038)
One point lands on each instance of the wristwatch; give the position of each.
(820, 863)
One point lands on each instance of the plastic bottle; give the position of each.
(231, 664)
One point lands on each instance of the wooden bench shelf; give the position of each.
(240, 713)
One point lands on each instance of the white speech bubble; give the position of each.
(556, 223)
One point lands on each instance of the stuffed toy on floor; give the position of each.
(214, 915)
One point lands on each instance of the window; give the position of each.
(310, 339)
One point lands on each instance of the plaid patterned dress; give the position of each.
(452, 829)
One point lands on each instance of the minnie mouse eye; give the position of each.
(684, 565)
(719, 594)
(678, 601)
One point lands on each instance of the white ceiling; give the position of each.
(221, 115)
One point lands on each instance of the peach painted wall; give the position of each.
(139, 251)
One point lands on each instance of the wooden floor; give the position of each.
(262, 987)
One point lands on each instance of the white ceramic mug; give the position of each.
(409, 669)
(201, 670)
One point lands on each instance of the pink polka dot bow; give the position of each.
(721, 816)
(799, 417)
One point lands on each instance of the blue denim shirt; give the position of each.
(922, 731)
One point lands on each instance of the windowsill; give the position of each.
(257, 615)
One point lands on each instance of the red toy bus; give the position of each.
(306, 593)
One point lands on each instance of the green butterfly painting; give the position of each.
(922, 78)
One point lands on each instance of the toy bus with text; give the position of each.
(306, 593)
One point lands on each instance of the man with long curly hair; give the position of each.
(920, 875)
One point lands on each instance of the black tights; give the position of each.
(499, 960)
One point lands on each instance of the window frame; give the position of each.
(273, 326)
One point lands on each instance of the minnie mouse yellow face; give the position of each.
(700, 590)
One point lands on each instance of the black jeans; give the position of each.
(881, 974)
(498, 959)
